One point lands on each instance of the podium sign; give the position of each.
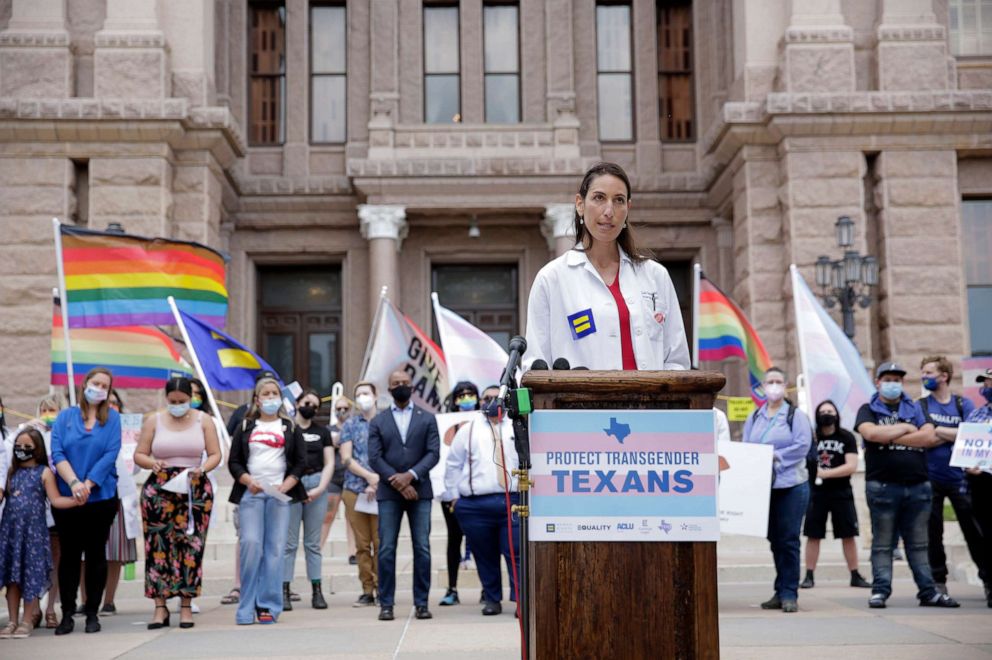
(623, 475)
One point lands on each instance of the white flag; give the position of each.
(470, 353)
(397, 344)
(831, 363)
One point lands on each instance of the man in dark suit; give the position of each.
(403, 447)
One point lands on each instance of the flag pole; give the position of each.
(199, 370)
(696, 273)
(799, 336)
(375, 327)
(63, 303)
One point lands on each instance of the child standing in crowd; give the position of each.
(25, 553)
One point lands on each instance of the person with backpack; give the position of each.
(787, 429)
(946, 410)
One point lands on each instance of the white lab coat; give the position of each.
(571, 284)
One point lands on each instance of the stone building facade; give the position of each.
(321, 165)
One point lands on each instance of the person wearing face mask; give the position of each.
(361, 481)
(464, 398)
(403, 447)
(896, 436)
(836, 460)
(268, 458)
(779, 424)
(980, 481)
(605, 304)
(946, 411)
(316, 476)
(175, 524)
(86, 440)
(477, 474)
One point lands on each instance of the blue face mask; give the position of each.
(178, 409)
(890, 390)
(270, 406)
(491, 409)
(987, 393)
(930, 383)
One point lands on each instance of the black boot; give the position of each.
(807, 583)
(287, 604)
(858, 580)
(317, 600)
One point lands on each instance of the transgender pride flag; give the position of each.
(831, 363)
(470, 353)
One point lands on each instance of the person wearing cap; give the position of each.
(980, 480)
(946, 411)
(896, 438)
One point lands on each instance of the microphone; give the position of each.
(517, 347)
(561, 364)
(539, 365)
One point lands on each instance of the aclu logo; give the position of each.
(625, 527)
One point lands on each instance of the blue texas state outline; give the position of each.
(618, 430)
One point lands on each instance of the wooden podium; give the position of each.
(625, 600)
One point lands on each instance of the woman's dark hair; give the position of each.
(462, 387)
(310, 392)
(204, 401)
(40, 455)
(626, 238)
(816, 413)
(179, 384)
(3, 421)
(116, 395)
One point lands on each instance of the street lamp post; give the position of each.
(847, 281)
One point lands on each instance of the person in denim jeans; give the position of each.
(316, 476)
(789, 433)
(266, 452)
(899, 495)
(403, 447)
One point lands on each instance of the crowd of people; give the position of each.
(73, 513)
(907, 450)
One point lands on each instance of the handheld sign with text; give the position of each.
(973, 446)
(623, 475)
(745, 488)
(739, 407)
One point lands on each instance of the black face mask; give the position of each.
(826, 419)
(23, 455)
(307, 412)
(401, 394)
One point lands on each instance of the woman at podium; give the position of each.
(605, 304)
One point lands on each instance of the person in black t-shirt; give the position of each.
(896, 436)
(316, 475)
(837, 459)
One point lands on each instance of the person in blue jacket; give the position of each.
(85, 442)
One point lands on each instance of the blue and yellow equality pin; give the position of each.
(582, 323)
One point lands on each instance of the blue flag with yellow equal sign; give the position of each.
(227, 364)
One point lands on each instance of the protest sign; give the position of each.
(130, 431)
(739, 407)
(745, 488)
(973, 446)
(623, 475)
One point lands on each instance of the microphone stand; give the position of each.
(518, 406)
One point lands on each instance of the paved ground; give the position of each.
(834, 622)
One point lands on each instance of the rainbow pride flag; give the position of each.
(140, 358)
(723, 332)
(117, 279)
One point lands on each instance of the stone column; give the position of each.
(819, 49)
(912, 48)
(35, 60)
(189, 29)
(558, 227)
(131, 59)
(724, 230)
(384, 227)
(921, 292)
(558, 19)
(384, 97)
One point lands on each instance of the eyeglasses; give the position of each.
(342, 410)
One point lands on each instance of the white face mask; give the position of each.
(775, 391)
(365, 402)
